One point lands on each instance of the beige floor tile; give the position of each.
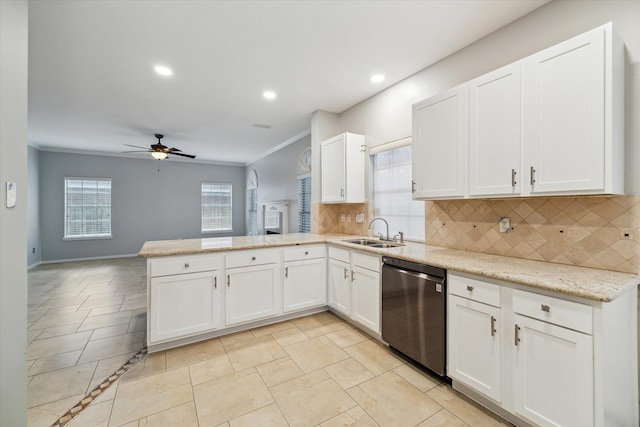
(315, 353)
(210, 369)
(56, 318)
(114, 346)
(230, 397)
(104, 320)
(92, 303)
(272, 329)
(279, 371)
(59, 384)
(131, 424)
(63, 301)
(32, 335)
(106, 367)
(311, 399)
(150, 364)
(355, 417)
(268, 416)
(236, 337)
(46, 414)
(56, 331)
(345, 337)
(107, 395)
(374, 356)
(443, 418)
(132, 302)
(193, 353)
(109, 331)
(180, 416)
(104, 310)
(391, 401)
(246, 354)
(150, 395)
(290, 336)
(318, 324)
(348, 373)
(94, 415)
(420, 380)
(464, 408)
(138, 322)
(57, 345)
(36, 314)
(51, 363)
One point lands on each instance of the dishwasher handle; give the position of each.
(423, 276)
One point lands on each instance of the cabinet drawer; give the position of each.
(181, 265)
(298, 253)
(370, 262)
(474, 289)
(339, 254)
(560, 312)
(248, 258)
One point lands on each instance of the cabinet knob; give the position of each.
(306, 252)
(545, 308)
(186, 265)
(253, 258)
(469, 288)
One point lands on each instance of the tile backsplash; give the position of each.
(599, 232)
(327, 218)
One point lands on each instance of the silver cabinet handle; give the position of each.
(228, 280)
(346, 273)
(516, 338)
(342, 193)
(493, 326)
(469, 288)
(215, 282)
(545, 308)
(353, 276)
(532, 171)
(413, 186)
(186, 265)
(513, 177)
(286, 272)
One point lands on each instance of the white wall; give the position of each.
(278, 179)
(13, 221)
(34, 244)
(387, 116)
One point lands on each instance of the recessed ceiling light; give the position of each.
(163, 70)
(269, 94)
(377, 78)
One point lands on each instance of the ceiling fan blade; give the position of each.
(183, 155)
(172, 150)
(159, 147)
(136, 151)
(136, 146)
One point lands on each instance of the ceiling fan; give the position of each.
(159, 151)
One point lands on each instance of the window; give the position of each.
(391, 170)
(87, 208)
(252, 202)
(216, 207)
(304, 191)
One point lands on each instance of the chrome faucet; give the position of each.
(386, 223)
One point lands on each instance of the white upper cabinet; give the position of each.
(495, 133)
(573, 113)
(439, 145)
(342, 169)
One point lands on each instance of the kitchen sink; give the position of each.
(374, 243)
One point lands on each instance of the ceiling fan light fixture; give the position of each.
(159, 155)
(163, 70)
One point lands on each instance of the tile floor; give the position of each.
(313, 371)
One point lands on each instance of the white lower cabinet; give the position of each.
(305, 283)
(354, 286)
(542, 360)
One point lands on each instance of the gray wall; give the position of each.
(146, 204)
(277, 177)
(387, 116)
(13, 221)
(34, 244)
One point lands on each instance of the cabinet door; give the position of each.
(494, 133)
(339, 286)
(553, 374)
(474, 353)
(564, 116)
(333, 170)
(251, 293)
(182, 305)
(304, 284)
(366, 297)
(439, 145)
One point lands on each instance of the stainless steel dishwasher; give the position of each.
(413, 311)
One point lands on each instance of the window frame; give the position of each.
(66, 236)
(202, 218)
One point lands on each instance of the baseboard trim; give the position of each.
(55, 261)
(34, 265)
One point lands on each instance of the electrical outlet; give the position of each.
(34, 250)
(359, 218)
(343, 217)
(504, 225)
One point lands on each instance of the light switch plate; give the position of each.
(504, 225)
(11, 194)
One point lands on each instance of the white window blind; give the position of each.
(87, 208)
(216, 207)
(252, 202)
(304, 204)
(392, 194)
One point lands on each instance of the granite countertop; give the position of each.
(589, 283)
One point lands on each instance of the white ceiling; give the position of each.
(92, 87)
